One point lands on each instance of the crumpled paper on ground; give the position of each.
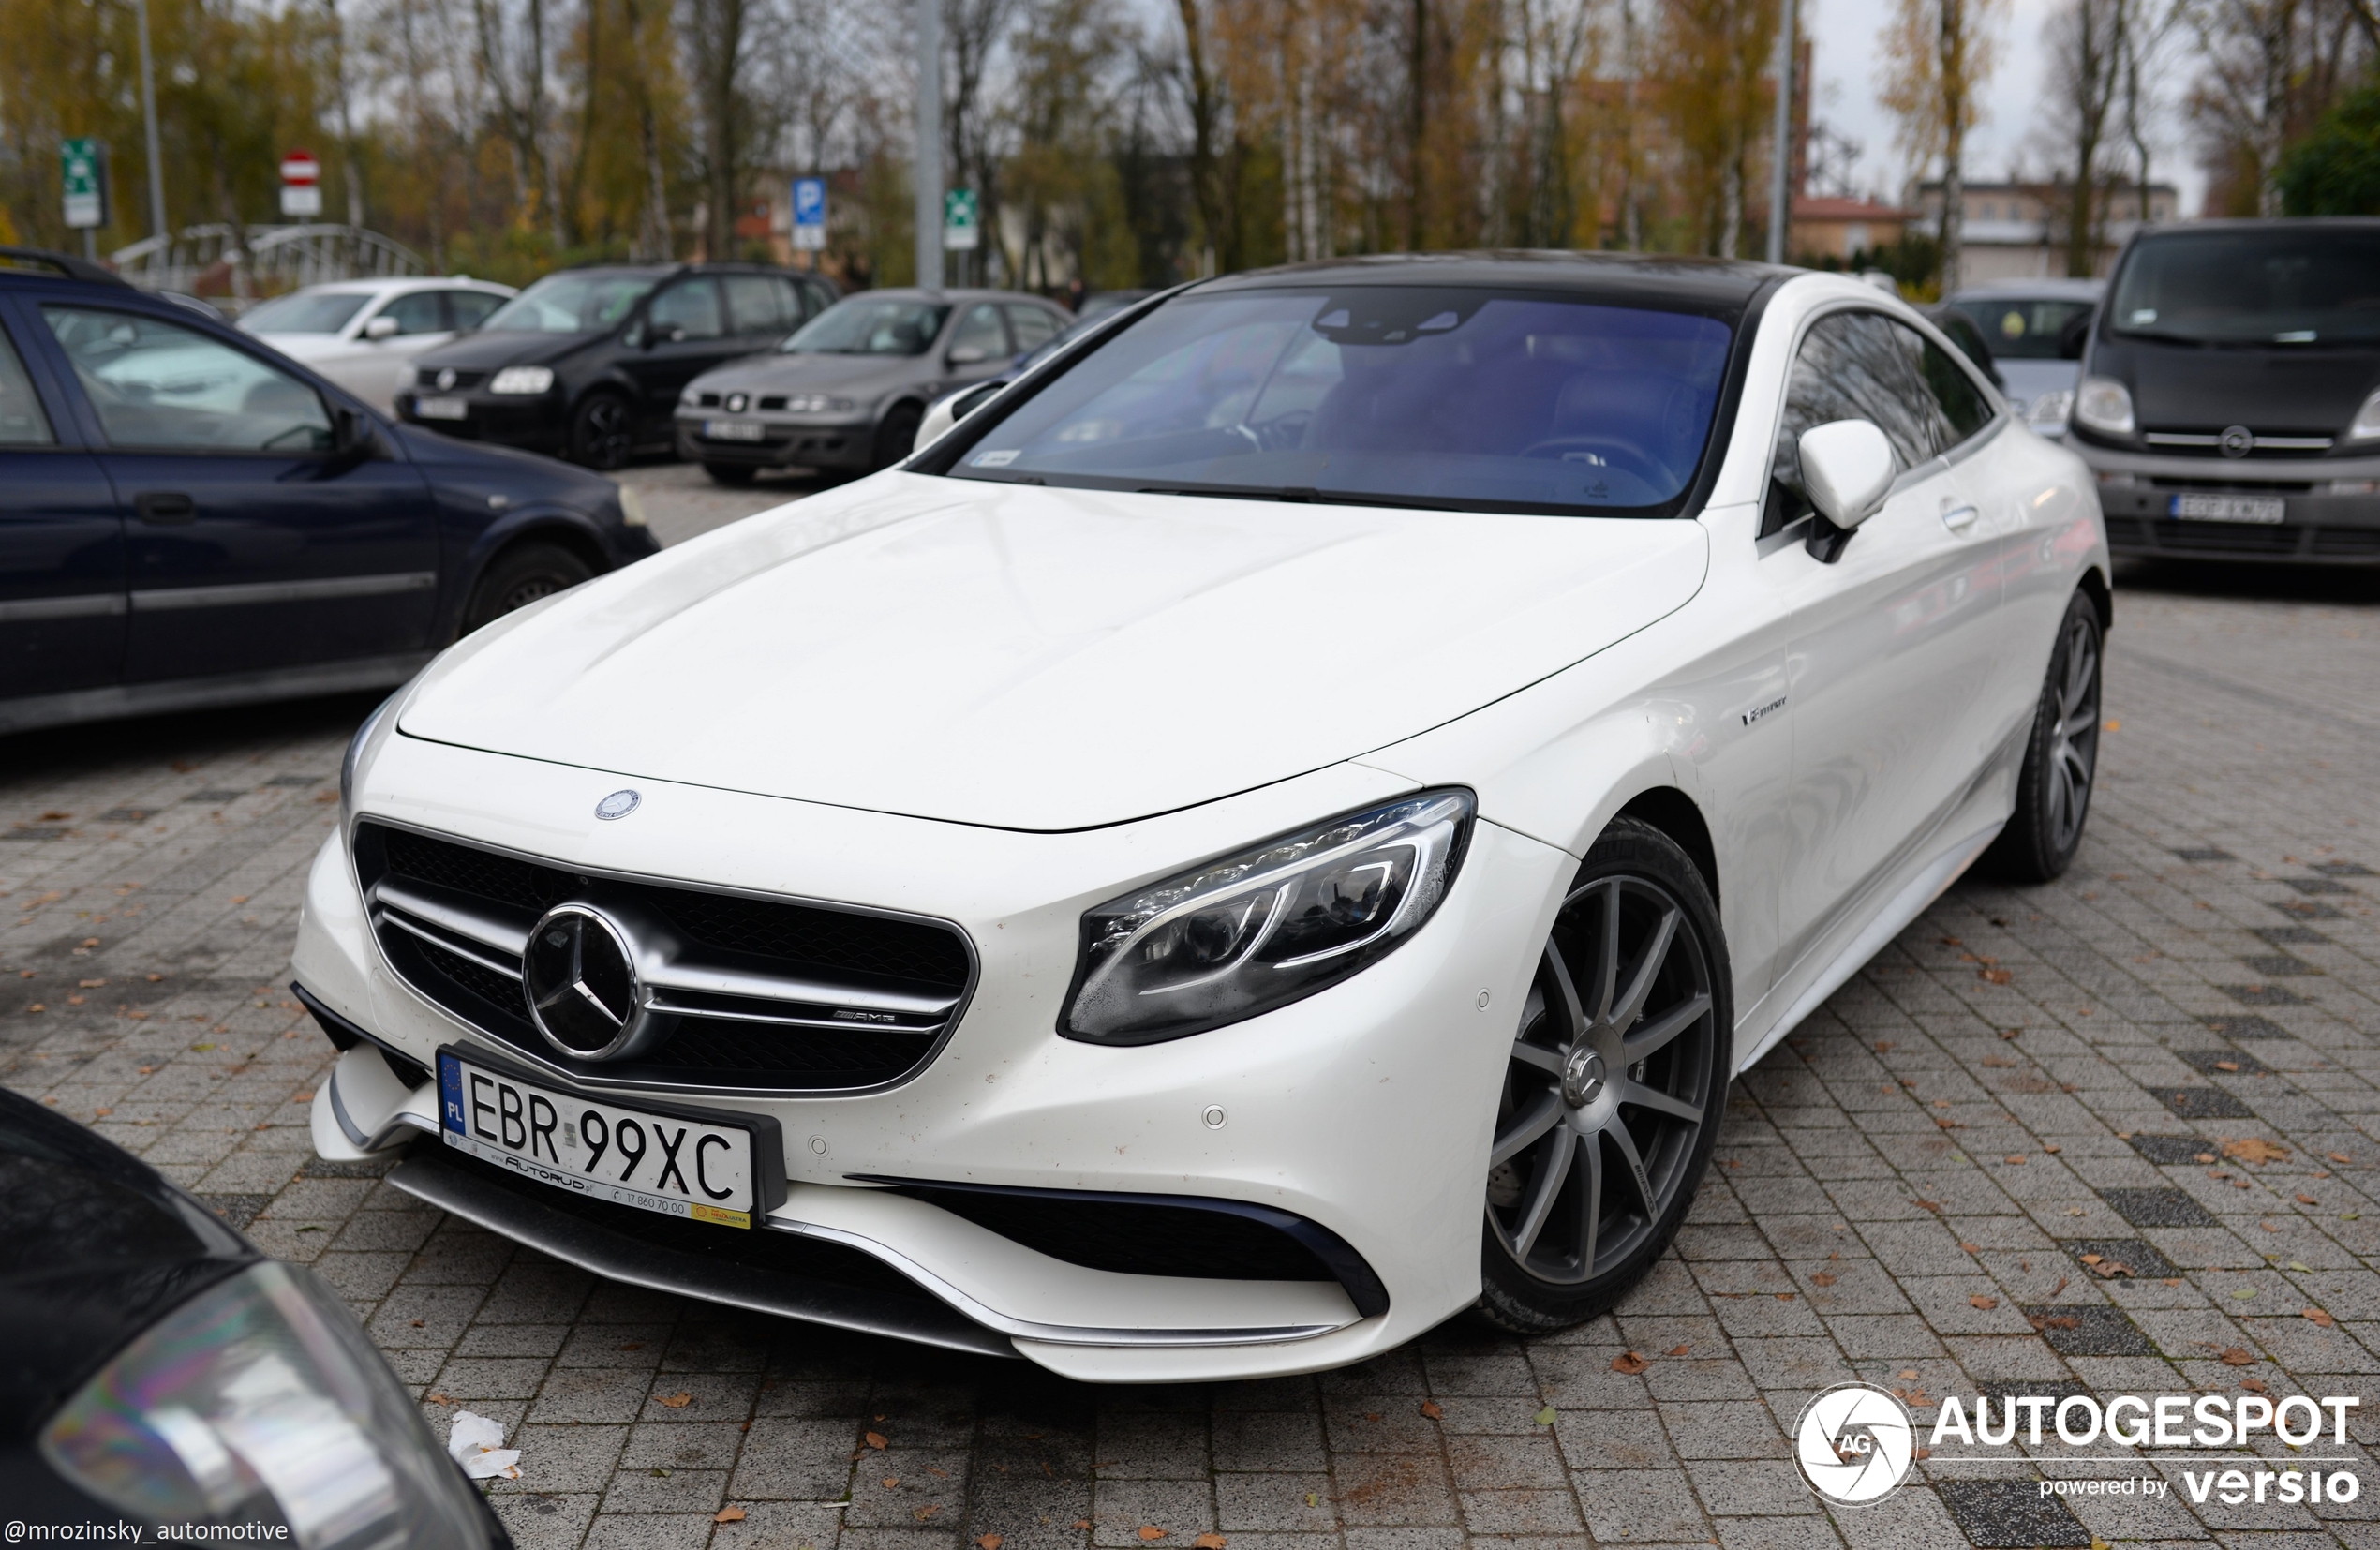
(477, 1444)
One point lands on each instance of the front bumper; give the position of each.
(1365, 1110)
(2321, 522)
(536, 423)
(785, 443)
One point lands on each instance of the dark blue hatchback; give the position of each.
(189, 519)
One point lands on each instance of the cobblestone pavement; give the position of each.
(2007, 1155)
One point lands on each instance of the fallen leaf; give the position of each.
(1430, 1409)
(1923, 1452)
(2012, 1033)
(2243, 1294)
(1786, 1296)
(1928, 1205)
(1151, 1531)
(419, 1323)
(2074, 1211)
(1906, 1374)
(2052, 1148)
(1627, 1362)
(2234, 1357)
(989, 1542)
(1986, 1304)
(2300, 1267)
(2254, 1149)
(2307, 1199)
(1680, 1351)
(1544, 1417)
(2320, 1319)
(1995, 976)
(1821, 1279)
(735, 1514)
(2016, 1157)
(2256, 1385)
(890, 1482)
(1208, 1541)
(2054, 1322)
(922, 1513)
(1883, 1046)
(875, 1439)
(1082, 1523)
(2338, 1157)
(633, 1346)
(1973, 1249)
(436, 1398)
(673, 1401)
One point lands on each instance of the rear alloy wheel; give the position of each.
(603, 431)
(1613, 1089)
(518, 577)
(897, 437)
(2061, 759)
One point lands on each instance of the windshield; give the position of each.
(570, 304)
(1409, 396)
(2300, 285)
(2022, 328)
(318, 312)
(862, 327)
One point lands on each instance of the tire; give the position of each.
(734, 475)
(2061, 758)
(603, 431)
(1635, 966)
(518, 577)
(897, 437)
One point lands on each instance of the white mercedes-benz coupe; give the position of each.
(1276, 830)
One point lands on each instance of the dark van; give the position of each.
(2230, 392)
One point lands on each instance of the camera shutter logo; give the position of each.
(1855, 1443)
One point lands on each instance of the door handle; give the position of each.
(165, 508)
(1959, 518)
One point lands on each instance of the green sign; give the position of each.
(83, 162)
(959, 229)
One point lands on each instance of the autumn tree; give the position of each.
(1937, 57)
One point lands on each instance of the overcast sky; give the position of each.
(1843, 35)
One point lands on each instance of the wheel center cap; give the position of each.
(1582, 1077)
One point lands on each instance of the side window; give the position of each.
(1031, 326)
(757, 303)
(159, 386)
(981, 332)
(1852, 365)
(417, 312)
(1965, 408)
(21, 422)
(814, 300)
(690, 308)
(469, 308)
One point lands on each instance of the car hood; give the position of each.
(2029, 379)
(806, 373)
(494, 351)
(1045, 659)
(2185, 387)
(311, 347)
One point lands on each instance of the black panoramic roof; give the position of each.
(1677, 279)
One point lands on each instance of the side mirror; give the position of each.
(380, 328)
(1846, 466)
(351, 434)
(966, 355)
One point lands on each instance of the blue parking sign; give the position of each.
(810, 212)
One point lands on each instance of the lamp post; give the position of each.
(929, 143)
(1780, 184)
(149, 123)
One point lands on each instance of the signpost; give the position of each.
(810, 214)
(301, 184)
(959, 230)
(84, 163)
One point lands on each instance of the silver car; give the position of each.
(2033, 329)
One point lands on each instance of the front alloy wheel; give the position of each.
(2061, 757)
(1612, 1090)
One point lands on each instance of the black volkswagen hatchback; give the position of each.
(189, 519)
(588, 362)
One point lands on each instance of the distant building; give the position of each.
(1829, 227)
(2018, 230)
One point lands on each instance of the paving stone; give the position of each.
(2143, 1257)
(2157, 1208)
(1998, 1512)
(2168, 1151)
(2089, 1329)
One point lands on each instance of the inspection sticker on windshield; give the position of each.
(442, 409)
(731, 430)
(2261, 508)
(994, 459)
(670, 1163)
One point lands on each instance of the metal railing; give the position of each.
(257, 261)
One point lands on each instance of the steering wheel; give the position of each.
(1623, 455)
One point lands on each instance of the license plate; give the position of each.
(667, 1163)
(442, 409)
(2262, 509)
(731, 430)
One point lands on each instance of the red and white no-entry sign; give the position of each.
(301, 184)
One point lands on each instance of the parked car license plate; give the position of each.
(665, 1163)
(2228, 508)
(733, 430)
(442, 409)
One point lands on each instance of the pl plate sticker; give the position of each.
(1855, 1443)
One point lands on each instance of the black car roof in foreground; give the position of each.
(41, 263)
(1726, 284)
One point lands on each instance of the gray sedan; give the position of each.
(848, 391)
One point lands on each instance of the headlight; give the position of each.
(2366, 423)
(522, 380)
(818, 403)
(2051, 408)
(632, 507)
(1274, 924)
(2104, 404)
(261, 1401)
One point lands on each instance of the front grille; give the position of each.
(2234, 487)
(710, 400)
(426, 377)
(2177, 442)
(2226, 538)
(756, 994)
(2346, 541)
(773, 401)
